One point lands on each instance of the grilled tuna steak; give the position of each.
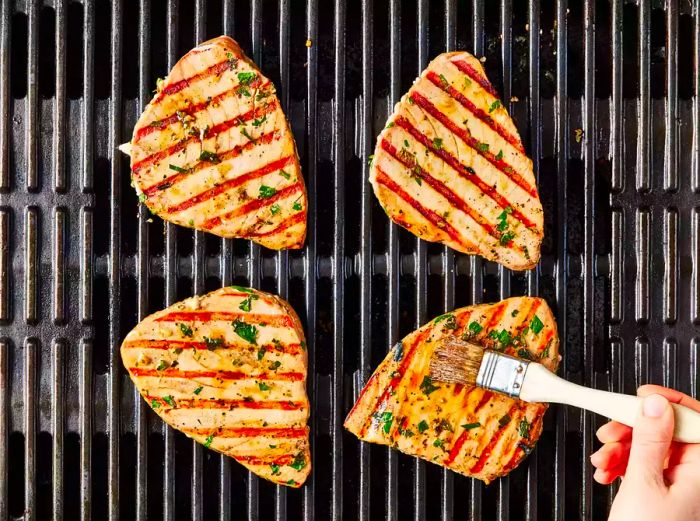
(450, 167)
(229, 370)
(468, 429)
(213, 151)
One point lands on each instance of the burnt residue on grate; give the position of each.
(607, 98)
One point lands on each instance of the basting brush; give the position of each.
(459, 362)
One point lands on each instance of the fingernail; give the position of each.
(654, 406)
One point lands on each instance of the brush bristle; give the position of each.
(456, 361)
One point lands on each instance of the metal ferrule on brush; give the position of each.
(502, 373)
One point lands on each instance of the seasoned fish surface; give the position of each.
(450, 167)
(229, 370)
(470, 430)
(213, 151)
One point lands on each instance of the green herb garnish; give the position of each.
(246, 77)
(299, 462)
(178, 169)
(437, 143)
(536, 325)
(475, 327)
(483, 147)
(296, 206)
(470, 426)
(422, 426)
(275, 209)
(427, 386)
(246, 304)
(505, 420)
(205, 155)
(155, 403)
(169, 400)
(213, 343)
(247, 332)
(260, 121)
(494, 106)
(248, 136)
(275, 469)
(524, 428)
(263, 386)
(242, 289)
(507, 237)
(185, 329)
(207, 442)
(499, 156)
(284, 174)
(162, 365)
(198, 389)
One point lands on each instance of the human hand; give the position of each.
(661, 477)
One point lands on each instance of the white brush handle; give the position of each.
(540, 385)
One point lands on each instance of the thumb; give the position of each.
(651, 441)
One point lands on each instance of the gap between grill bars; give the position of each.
(606, 96)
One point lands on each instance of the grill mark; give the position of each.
(464, 171)
(174, 88)
(248, 432)
(485, 398)
(470, 71)
(159, 124)
(297, 218)
(219, 375)
(499, 164)
(432, 217)
(203, 403)
(479, 113)
(463, 436)
(516, 457)
(224, 156)
(292, 349)
(488, 450)
(370, 383)
(495, 318)
(444, 190)
(217, 129)
(396, 380)
(230, 184)
(209, 316)
(256, 204)
(261, 460)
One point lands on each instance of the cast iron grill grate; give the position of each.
(81, 262)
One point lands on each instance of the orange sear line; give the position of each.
(174, 88)
(250, 432)
(474, 75)
(466, 137)
(297, 218)
(270, 460)
(229, 184)
(292, 349)
(431, 216)
(256, 204)
(488, 450)
(219, 375)
(208, 316)
(479, 113)
(203, 403)
(156, 157)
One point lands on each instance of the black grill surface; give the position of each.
(607, 98)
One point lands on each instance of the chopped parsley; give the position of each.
(157, 124)
(545, 352)
(191, 222)
(438, 443)
(261, 352)
(450, 320)
(198, 389)
(291, 482)
(470, 426)
(515, 313)
(178, 169)
(296, 206)
(185, 329)
(299, 462)
(427, 386)
(444, 425)
(524, 354)
(405, 143)
(155, 403)
(259, 121)
(370, 160)
(389, 124)
(507, 237)
(266, 192)
(483, 147)
(263, 386)
(246, 77)
(524, 428)
(242, 289)
(422, 426)
(244, 91)
(494, 106)
(247, 332)
(205, 155)
(505, 420)
(475, 327)
(437, 143)
(275, 365)
(169, 400)
(536, 324)
(213, 343)
(275, 209)
(503, 219)
(386, 418)
(207, 442)
(275, 469)
(162, 365)
(142, 198)
(284, 174)
(444, 81)
(248, 136)
(246, 304)
(499, 156)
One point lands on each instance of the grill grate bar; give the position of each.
(57, 418)
(589, 131)
(32, 108)
(695, 174)
(5, 21)
(393, 271)
(366, 120)
(29, 396)
(338, 278)
(86, 428)
(113, 387)
(562, 152)
(311, 170)
(671, 126)
(141, 412)
(644, 144)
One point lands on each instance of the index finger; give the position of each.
(671, 395)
